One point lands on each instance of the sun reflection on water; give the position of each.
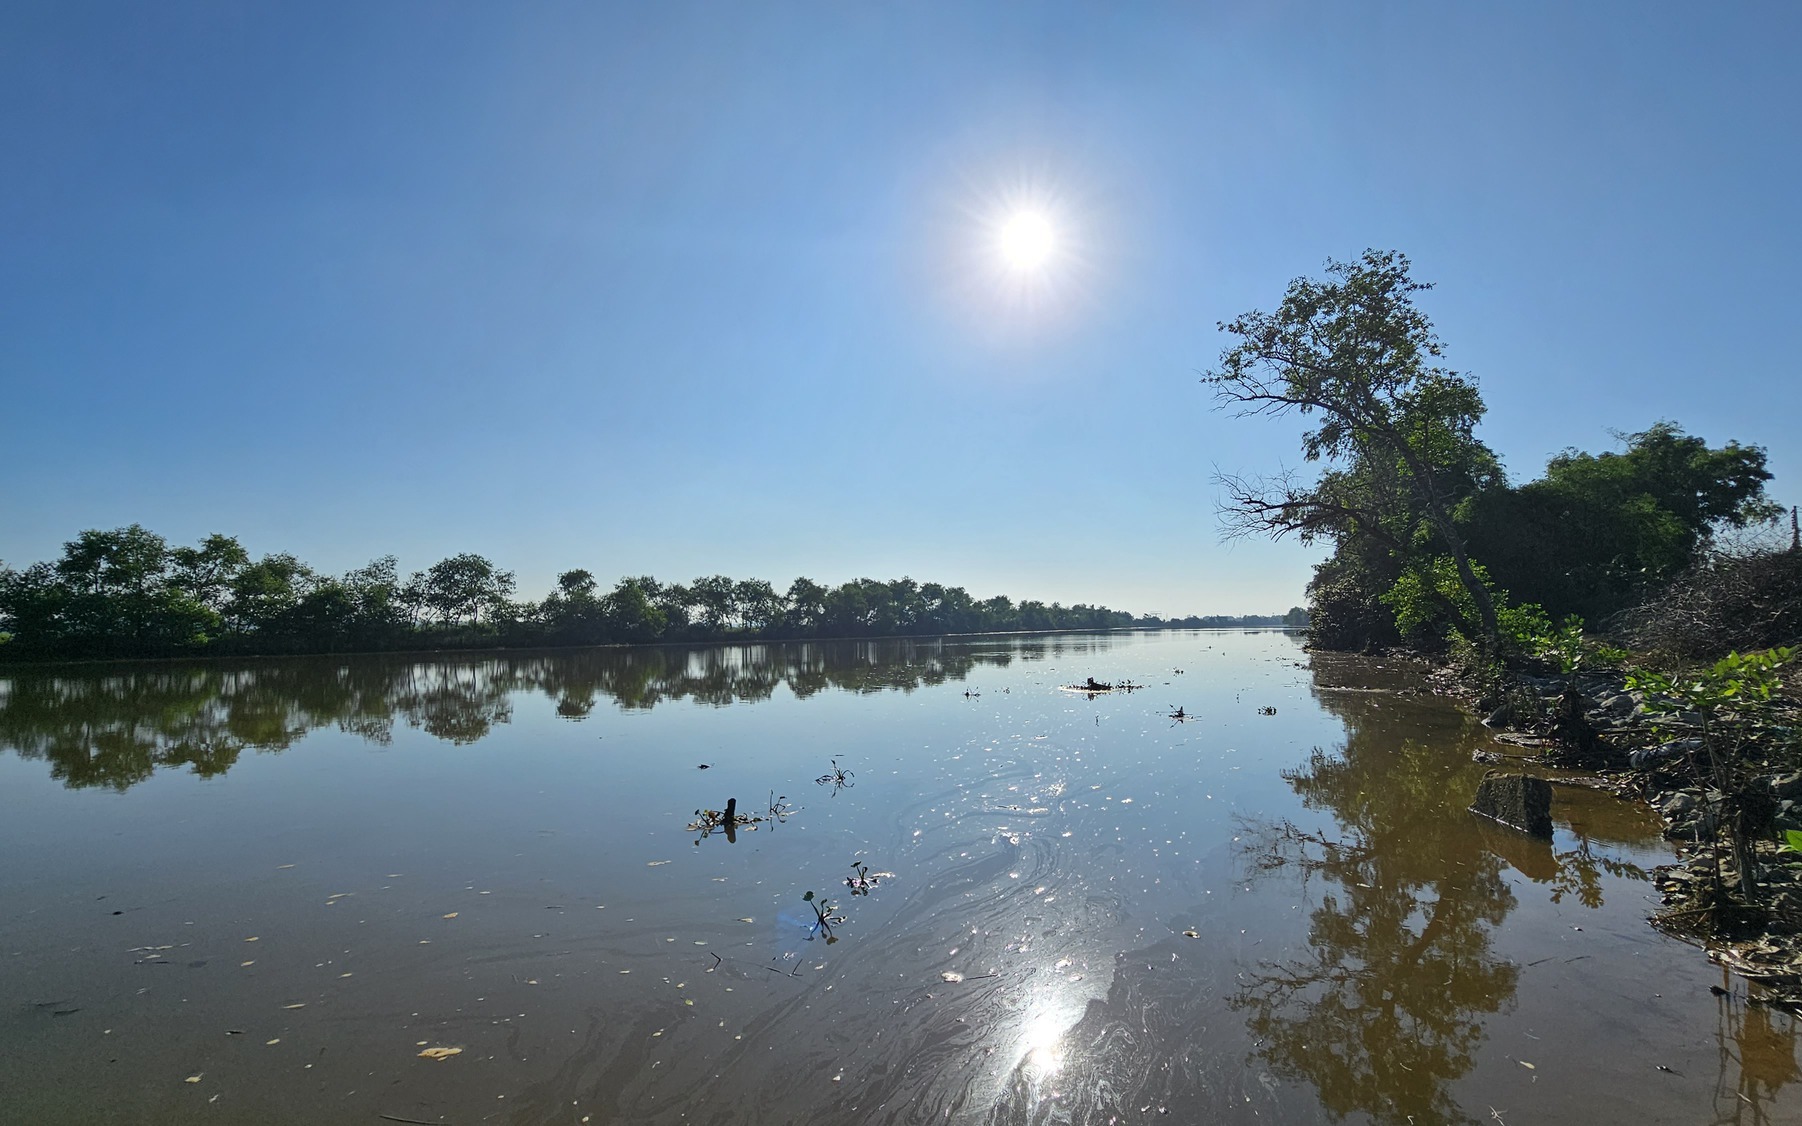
(1042, 1048)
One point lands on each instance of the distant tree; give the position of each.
(466, 586)
(1296, 618)
(118, 597)
(1395, 429)
(714, 603)
(757, 604)
(34, 607)
(375, 590)
(632, 612)
(263, 592)
(576, 584)
(996, 615)
(1033, 615)
(806, 607)
(674, 602)
(573, 613)
(848, 610)
(904, 609)
(206, 572)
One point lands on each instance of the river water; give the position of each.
(256, 893)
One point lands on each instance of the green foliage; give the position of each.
(1564, 645)
(1734, 705)
(126, 593)
(1600, 531)
(1354, 354)
(1430, 599)
(1792, 843)
(1737, 690)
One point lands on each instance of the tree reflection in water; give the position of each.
(1757, 1059)
(116, 727)
(1384, 1010)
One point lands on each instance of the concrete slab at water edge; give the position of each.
(1519, 801)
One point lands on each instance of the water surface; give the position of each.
(255, 893)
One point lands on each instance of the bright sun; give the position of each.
(1027, 240)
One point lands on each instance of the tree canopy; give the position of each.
(1395, 430)
(1428, 537)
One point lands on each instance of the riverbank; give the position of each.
(1592, 729)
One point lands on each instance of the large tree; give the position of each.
(1353, 353)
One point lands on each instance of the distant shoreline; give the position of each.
(15, 666)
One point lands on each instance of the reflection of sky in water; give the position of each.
(1027, 958)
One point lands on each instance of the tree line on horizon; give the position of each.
(128, 593)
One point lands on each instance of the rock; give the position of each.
(1787, 787)
(1676, 748)
(1677, 806)
(1519, 801)
(1614, 709)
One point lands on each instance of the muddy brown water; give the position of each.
(256, 893)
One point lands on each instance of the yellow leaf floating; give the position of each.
(951, 976)
(194, 1078)
(452, 915)
(440, 1053)
(1526, 1065)
(301, 1005)
(1191, 934)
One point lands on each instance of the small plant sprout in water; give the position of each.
(779, 811)
(862, 881)
(825, 917)
(1179, 715)
(838, 778)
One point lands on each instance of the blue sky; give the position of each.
(680, 290)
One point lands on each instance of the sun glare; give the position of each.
(1020, 254)
(1027, 240)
